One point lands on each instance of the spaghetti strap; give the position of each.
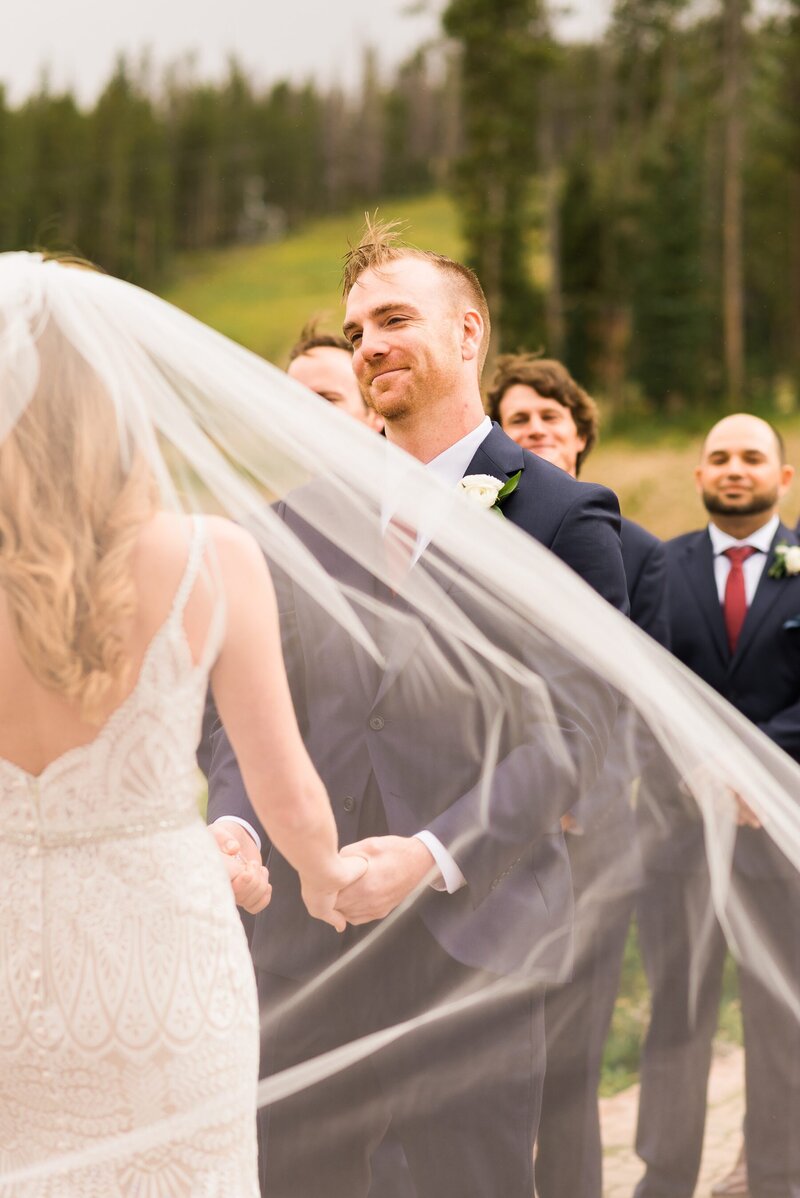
(197, 545)
(194, 564)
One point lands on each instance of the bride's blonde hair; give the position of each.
(72, 500)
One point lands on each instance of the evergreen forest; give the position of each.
(632, 205)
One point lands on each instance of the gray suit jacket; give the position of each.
(410, 739)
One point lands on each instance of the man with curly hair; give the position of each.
(540, 405)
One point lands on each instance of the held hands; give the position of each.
(322, 901)
(397, 866)
(368, 879)
(242, 860)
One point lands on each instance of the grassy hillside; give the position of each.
(262, 295)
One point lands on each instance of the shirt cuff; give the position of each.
(452, 878)
(234, 819)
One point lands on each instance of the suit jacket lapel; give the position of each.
(699, 565)
(354, 576)
(497, 455)
(767, 592)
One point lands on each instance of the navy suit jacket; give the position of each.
(374, 735)
(605, 856)
(761, 679)
(645, 560)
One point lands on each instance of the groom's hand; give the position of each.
(397, 865)
(745, 815)
(242, 858)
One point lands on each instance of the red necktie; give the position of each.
(735, 605)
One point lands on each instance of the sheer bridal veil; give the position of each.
(504, 653)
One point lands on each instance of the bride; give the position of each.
(126, 990)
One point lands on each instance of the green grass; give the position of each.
(262, 295)
(631, 1013)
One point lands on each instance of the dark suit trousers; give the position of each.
(684, 953)
(462, 1092)
(569, 1152)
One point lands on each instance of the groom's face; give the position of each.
(406, 329)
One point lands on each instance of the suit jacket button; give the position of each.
(349, 803)
(376, 722)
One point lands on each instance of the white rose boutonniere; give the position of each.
(786, 562)
(487, 491)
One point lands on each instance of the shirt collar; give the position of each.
(761, 539)
(450, 465)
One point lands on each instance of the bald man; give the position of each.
(738, 628)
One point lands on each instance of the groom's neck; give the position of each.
(426, 435)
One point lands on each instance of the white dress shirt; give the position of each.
(449, 467)
(753, 567)
(451, 464)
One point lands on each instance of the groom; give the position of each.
(462, 1092)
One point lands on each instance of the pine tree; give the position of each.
(732, 255)
(504, 49)
(670, 303)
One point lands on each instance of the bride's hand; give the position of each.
(242, 860)
(320, 900)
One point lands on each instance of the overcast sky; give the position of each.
(322, 39)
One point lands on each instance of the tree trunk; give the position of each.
(732, 272)
(794, 277)
(554, 299)
(491, 270)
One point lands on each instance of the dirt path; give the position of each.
(622, 1168)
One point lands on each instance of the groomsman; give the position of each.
(323, 362)
(463, 1093)
(734, 612)
(543, 409)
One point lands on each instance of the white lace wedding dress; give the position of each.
(127, 1002)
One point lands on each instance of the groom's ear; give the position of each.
(472, 335)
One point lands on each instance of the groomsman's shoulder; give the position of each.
(578, 521)
(677, 546)
(639, 538)
(645, 561)
(562, 486)
(641, 549)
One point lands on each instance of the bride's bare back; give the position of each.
(37, 724)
